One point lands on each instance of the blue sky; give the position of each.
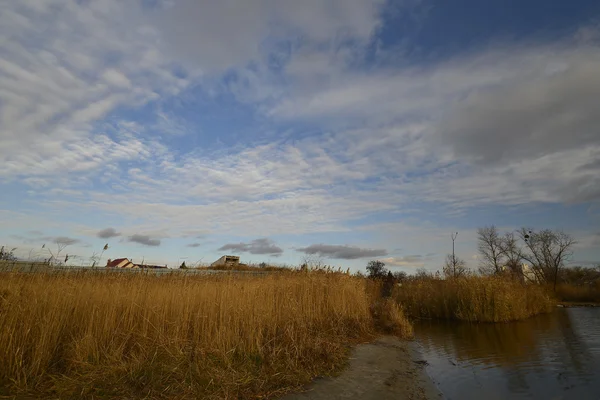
(346, 129)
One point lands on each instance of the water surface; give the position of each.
(553, 356)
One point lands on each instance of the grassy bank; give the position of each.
(474, 299)
(568, 293)
(122, 335)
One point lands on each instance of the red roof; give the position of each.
(114, 263)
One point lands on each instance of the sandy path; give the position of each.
(385, 369)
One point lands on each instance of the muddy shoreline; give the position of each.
(387, 368)
(575, 304)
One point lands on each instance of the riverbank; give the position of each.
(577, 304)
(387, 368)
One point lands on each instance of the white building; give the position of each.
(526, 271)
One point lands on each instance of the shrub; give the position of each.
(474, 299)
(389, 318)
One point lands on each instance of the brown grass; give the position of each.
(176, 336)
(389, 318)
(581, 293)
(474, 299)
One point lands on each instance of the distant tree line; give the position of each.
(580, 276)
(546, 254)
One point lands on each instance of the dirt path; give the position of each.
(385, 369)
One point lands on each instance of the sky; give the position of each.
(282, 130)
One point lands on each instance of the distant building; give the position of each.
(528, 273)
(126, 263)
(525, 273)
(120, 263)
(227, 261)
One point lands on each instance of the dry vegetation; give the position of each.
(578, 293)
(579, 285)
(389, 318)
(473, 299)
(179, 336)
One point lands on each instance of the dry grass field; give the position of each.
(73, 335)
(116, 335)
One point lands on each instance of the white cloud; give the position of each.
(64, 66)
(530, 117)
(343, 252)
(232, 38)
(531, 106)
(406, 261)
(296, 214)
(559, 177)
(116, 78)
(393, 135)
(257, 246)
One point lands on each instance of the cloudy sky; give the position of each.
(348, 130)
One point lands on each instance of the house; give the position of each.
(120, 263)
(525, 273)
(125, 263)
(529, 274)
(227, 261)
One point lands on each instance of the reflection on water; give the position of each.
(554, 356)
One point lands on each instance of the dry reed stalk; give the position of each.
(583, 293)
(474, 299)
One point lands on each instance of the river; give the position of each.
(551, 357)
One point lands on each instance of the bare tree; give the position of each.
(580, 275)
(513, 254)
(422, 273)
(490, 246)
(547, 251)
(455, 267)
